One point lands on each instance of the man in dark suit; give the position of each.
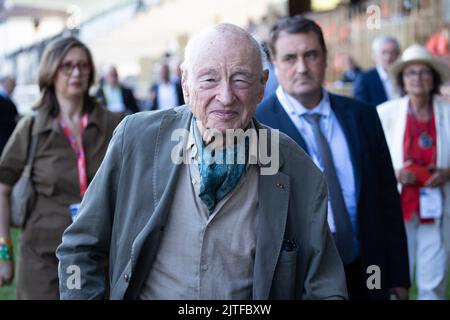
(345, 139)
(375, 86)
(352, 71)
(167, 93)
(8, 110)
(114, 96)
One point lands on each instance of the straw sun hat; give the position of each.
(419, 54)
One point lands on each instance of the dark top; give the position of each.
(369, 88)
(8, 118)
(128, 99)
(154, 104)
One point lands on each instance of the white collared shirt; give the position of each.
(167, 95)
(387, 83)
(338, 145)
(114, 98)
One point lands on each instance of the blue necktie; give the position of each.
(343, 236)
(217, 179)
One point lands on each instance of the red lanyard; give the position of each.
(79, 151)
(417, 133)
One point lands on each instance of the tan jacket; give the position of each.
(55, 178)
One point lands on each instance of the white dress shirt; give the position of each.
(332, 131)
(114, 98)
(387, 83)
(167, 95)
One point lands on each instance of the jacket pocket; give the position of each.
(284, 279)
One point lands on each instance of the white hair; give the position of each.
(195, 42)
(380, 41)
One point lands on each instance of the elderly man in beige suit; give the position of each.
(203, 229)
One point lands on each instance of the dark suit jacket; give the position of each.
(155, 103)
(128, 99)
(349, 76)
(380, 222)
(8, 115)
(369, 88)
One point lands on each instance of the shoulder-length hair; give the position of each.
(437, 81)
(51, 60)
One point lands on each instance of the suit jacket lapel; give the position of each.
(285, 125)
(349, 123)
(272, 214)
(379, 87)
(164, 167)
(165, 173)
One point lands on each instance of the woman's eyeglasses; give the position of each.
(67, 68)
(417, 73)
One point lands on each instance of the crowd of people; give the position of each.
(358, 182)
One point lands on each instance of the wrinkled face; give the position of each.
(224, 83)
(418, 79)
(300, 62)
(72, 78)
(387, 55)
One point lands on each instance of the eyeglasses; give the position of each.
(419, 73)
(67, 68)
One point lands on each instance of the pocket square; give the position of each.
(288, 245)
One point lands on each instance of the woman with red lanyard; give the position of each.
(72, 134)
(417, 129)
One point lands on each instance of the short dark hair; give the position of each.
(295, 24)
(437, 81)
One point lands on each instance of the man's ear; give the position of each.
(185, 87)
(265, 77)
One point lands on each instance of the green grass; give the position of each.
(9, 292)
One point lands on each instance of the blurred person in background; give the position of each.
(352, 71)
(114, 96)
(72, 134)
(166, 93)
(417, 129)
(374, 86)
(8, 110)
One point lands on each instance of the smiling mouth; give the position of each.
(224, 114)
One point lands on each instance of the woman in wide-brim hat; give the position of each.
(417, 129)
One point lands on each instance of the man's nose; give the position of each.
(301, 65)
(225, 94)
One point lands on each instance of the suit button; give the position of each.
(280, 185)
(126, 277)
